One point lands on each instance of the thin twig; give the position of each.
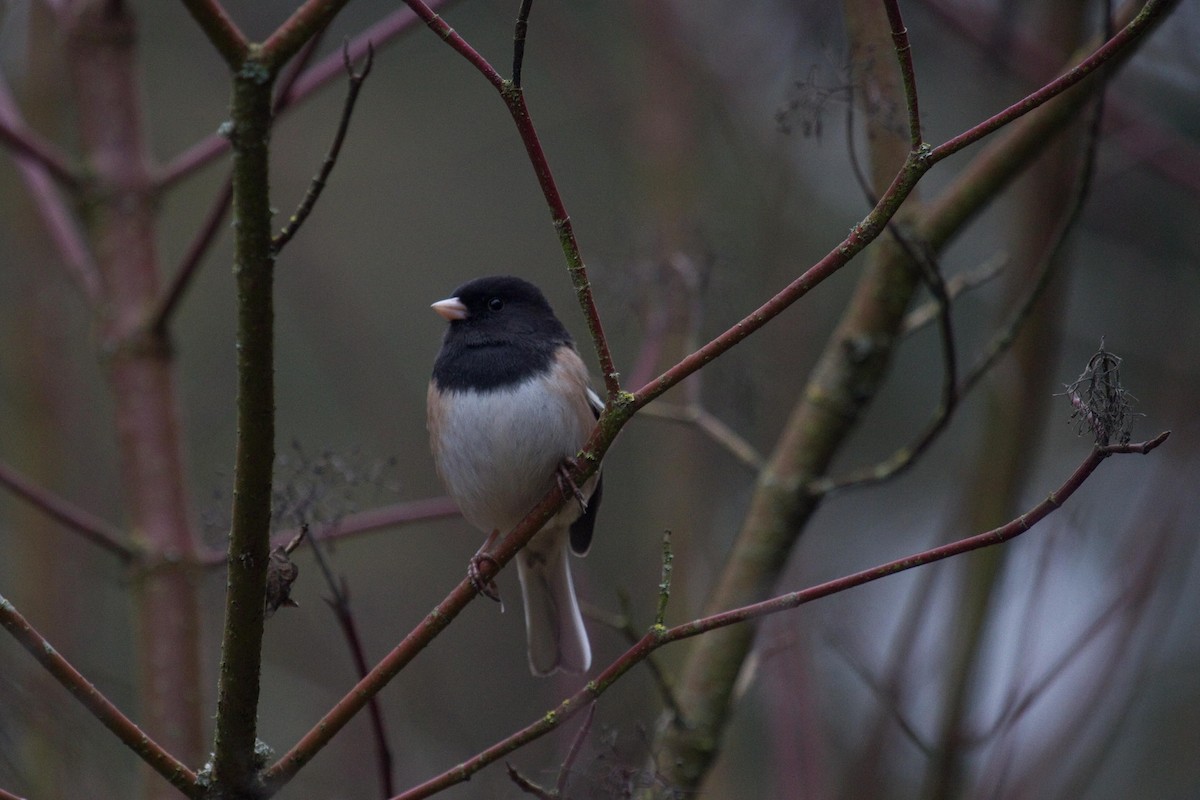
(527, 786)
(375, 519)
(219, 210)
(573, 753)
(339, 603)
(94, 701)
(200, 245)
(222, 31)
(1000, 342)
(87, 525)
(908, 73)
(957, 285)
(655, 639)
(514, 101)
(55, 214)
(1150, 14)
(664, 585)
(712, 427)
(26, 142)
(519, 32)
(327, 69)
(318, 182)
(623, 624)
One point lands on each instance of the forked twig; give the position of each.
(318, 182)
(657, 638)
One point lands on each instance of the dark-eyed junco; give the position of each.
(508, 404)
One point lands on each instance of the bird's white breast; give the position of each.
(499, 449)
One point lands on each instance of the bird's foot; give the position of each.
(566, 483)
(484, 586)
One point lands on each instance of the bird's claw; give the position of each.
(484, 586)
(567, 485)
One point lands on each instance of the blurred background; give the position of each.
(701, 149)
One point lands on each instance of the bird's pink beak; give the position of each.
(450, 309)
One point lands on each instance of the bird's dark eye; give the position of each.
(495, 304)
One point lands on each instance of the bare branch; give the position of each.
(94, 701)
(712, 427)
(514, 100)
(87, 525)
(908, 73)
(339, 602)
(655, 639)
(197, 249)
(25, 142)
(1153, 12)
(318, 182)
(60, 222)
(375, 519)
(327, 69)
(519, 32)
(224, 34)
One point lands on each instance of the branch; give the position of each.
(87, 525)
(197, 249)
(908, 176)
(318, 182)
(619, 410)
(908, 74)
(224, 34)
(305, 23)
(215, 145)
(417, 639)
(217, 213)
(657, 637)
(711, 426)
(514, 100)
(26, 143)
(56, 216)
(1150, 14)
(101, 708)
(235, 762)
(375, 519)
(519, 32)
(339, 602)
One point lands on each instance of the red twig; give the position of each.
(1151, 13)
(109, 715)
(87, 525)
(23, 141)
(224, 34)
(514, 100)
(908, 73)
(196, 251)
(375, 519)
(327, 69)
(54, 213)
(659, 636)
(339, 603)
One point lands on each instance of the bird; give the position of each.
(508, 408)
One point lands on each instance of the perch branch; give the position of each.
(94, 701)
(658, 637)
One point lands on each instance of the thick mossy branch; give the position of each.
(235, 765)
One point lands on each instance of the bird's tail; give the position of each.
(553, 625)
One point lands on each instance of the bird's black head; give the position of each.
(501, 332)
